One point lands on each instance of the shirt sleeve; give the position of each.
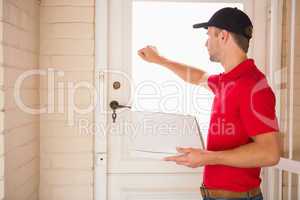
(213, 82)
(258, 112)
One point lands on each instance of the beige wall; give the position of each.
(20, 49)
(67, 44)
(1, 108)
(62, 166)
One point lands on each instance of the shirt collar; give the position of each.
(244, 67)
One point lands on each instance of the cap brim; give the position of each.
(201, 25)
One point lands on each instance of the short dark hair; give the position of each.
(241, 41)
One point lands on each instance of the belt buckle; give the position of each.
(254, 192)
(203, 191)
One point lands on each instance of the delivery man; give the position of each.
(243, 101)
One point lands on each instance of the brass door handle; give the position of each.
(114, 105)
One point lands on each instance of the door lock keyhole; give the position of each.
(114, 105)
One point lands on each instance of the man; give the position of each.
(243, 102)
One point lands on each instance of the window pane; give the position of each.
(168, 26)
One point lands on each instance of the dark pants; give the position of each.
(259, 197)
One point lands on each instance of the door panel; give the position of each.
(154, 186)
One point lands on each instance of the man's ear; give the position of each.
(224, 35)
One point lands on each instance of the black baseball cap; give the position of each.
(230, 19)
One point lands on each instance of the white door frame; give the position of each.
(257, 10)
(100, 118)
(274, 75)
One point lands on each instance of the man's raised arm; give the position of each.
(187, 73)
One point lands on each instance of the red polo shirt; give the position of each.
(244, 106)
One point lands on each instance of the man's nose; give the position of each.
(206, 43)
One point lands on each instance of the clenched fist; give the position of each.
(150, 54)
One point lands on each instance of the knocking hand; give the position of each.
(150, 54)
